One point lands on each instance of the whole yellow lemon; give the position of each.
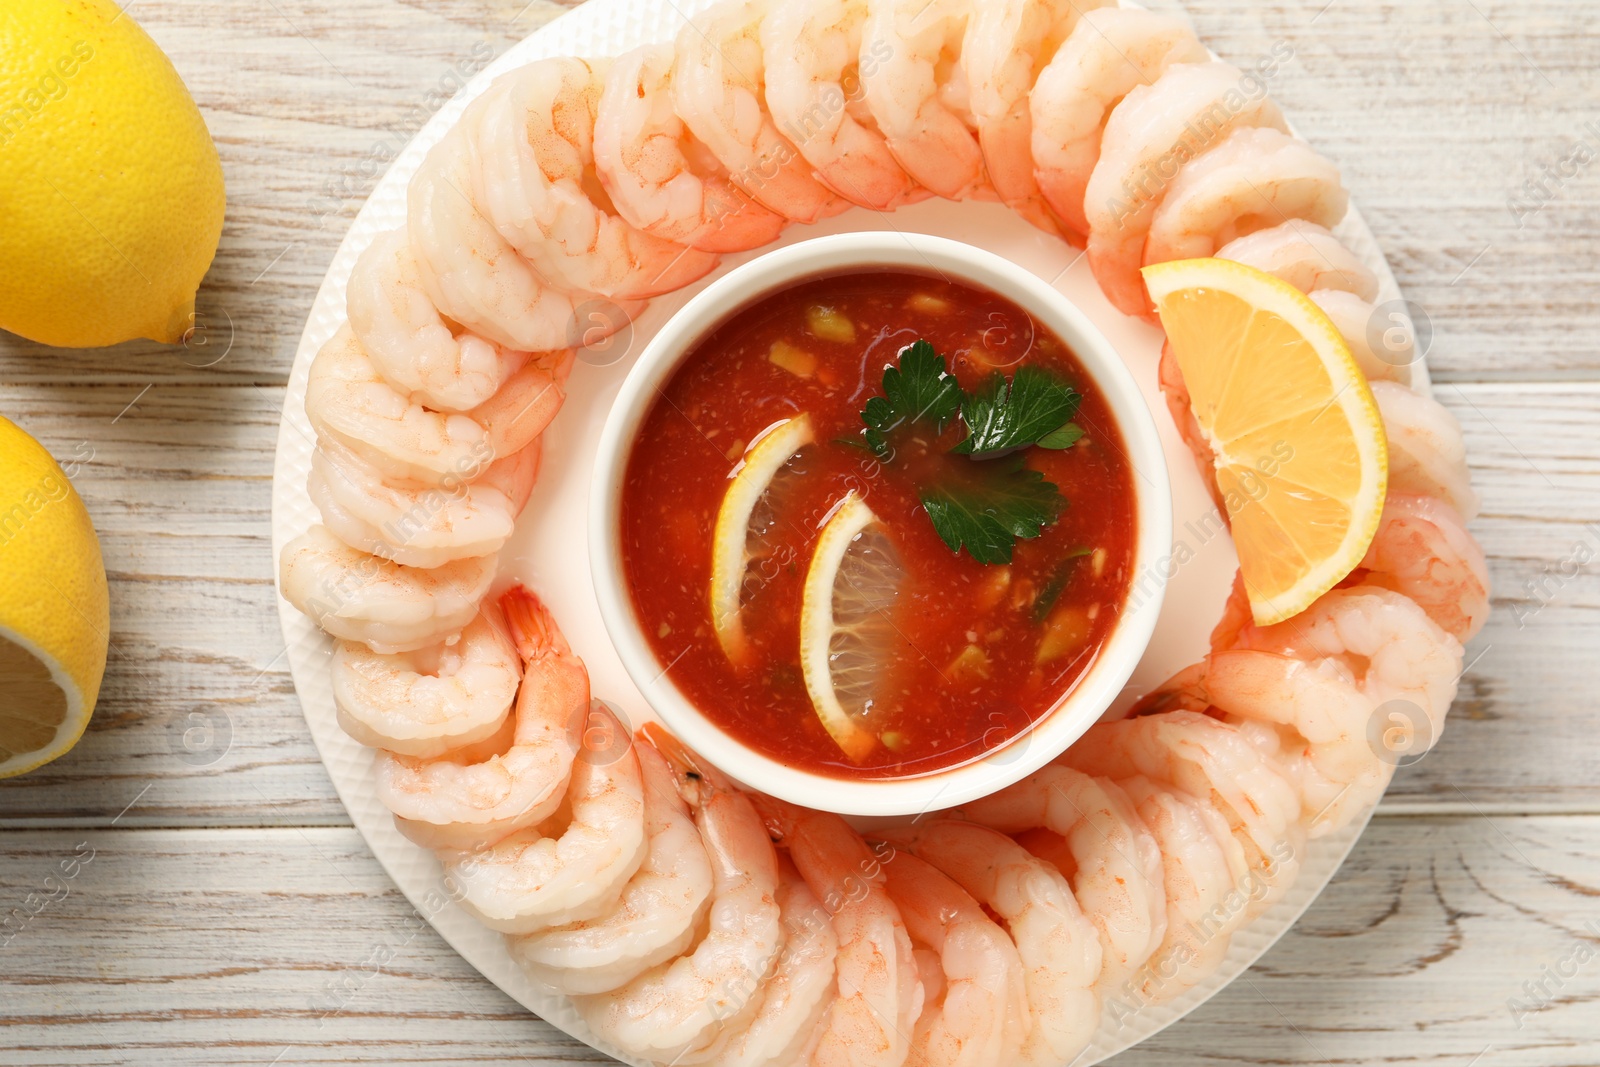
(111, 195)
(55, 609)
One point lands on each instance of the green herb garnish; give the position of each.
(1033, 408)
(919, 390)
(982, 496)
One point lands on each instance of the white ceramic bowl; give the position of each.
(1054, 731)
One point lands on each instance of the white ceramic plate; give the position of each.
(549, 550)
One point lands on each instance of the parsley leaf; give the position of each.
(1034, 407)
(1065, 437)
(979, 494)
(988, 508)
(918, 390)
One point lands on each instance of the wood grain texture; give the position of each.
(239, 946)
(229, 904)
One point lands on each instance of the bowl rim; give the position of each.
(1054, 731)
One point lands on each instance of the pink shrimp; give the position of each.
(1148, 139)
(458, 801)
(684, 1004)
(880, 992)
(1116, 872)
(1058, 945)
(980, 1016)
(1213, 761)
(641, 151)
(1422, 549)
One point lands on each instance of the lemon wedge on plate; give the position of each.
(743, 520)
(1300, 454)
(847, 638)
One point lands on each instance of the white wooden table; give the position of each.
(231, 915)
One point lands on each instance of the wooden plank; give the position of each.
(197, 713)
(198, 704)
(238, 946)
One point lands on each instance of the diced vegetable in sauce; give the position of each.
(797, 361)
(830, 324)
(1067, 632)
(972, 665)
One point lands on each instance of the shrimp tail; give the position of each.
(697, 779)
(533, 631)
(779, 816)
(1184, 691)
(1236, 616)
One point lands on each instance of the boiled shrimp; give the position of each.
(640, 152)
(656, 917)
(1422, 549)
(683, 1004)
(1149, 137)
(1059, 947)
(880, 994)
(348, 400)
(1306, 256)
(1007, 43)
(982, 1016)
(1384, 642)
(1250, 180)
(719, 89)
(1335, 674)
(1427, 456)
(1212, 761)
(416, 524)
(383, 605)
(536, 180)
(473, 274)
(815, 58)
(1198, 881)
(1176, 393)
(785, 1009)
(1109, 53)
(572, 868)
(451, 802)
(428, 702)
(1117, 875)
(1355, 319)
(410, 345)
(918, 95)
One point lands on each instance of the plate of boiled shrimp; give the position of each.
(431, 503)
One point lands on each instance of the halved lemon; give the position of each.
(743, 520)
(847, 638)
(1301, 460)
(55, 615)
